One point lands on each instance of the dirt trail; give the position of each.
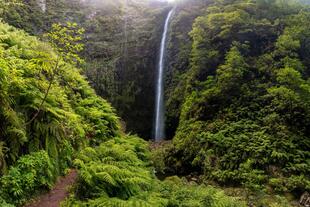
(57, 194)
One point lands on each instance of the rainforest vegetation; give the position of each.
(77, 92)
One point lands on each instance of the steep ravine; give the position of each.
(122, 43)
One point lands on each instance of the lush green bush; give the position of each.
(116, 168)
(3, 203)
(118, 173)
(181, 193)
(31, 174)
(173, 192)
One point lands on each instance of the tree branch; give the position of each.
(46, 93)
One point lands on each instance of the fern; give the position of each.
(115, 168)
(70, 114)
(117, 173)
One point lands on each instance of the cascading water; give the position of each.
(159, 105)
(42, 5)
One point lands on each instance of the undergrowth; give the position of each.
(119, 173)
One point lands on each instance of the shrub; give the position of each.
(181, 193)
(115, 168)
(3, 203)
(118, 173)
(31, 174)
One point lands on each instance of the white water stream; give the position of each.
(42, 5)
(159, 105)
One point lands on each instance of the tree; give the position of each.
(229, 75)
(65, 40)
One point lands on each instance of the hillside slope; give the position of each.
(71, 117)
(244, 116)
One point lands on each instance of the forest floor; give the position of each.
(59, 192)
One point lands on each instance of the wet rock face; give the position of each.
(305, 200)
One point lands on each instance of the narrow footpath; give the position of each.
(59, 192)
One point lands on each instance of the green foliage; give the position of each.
(178, 53)
(120, 37)
(41, 111)
(117, 173)
(158, 160)
(238, 95)
(116, 168)
(5, 4)
(31, 173)
(181, 193)
(3, 203)
(245, 115)
(229, 74)
(3, 152)
(66, 40)
(69, 113)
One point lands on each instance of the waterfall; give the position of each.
(42, 5)
(159, 105)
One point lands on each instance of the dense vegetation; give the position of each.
(121, 41)
(244, 115)
(50, 115)
(70, 117)
(237, 93)
(118, 173)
